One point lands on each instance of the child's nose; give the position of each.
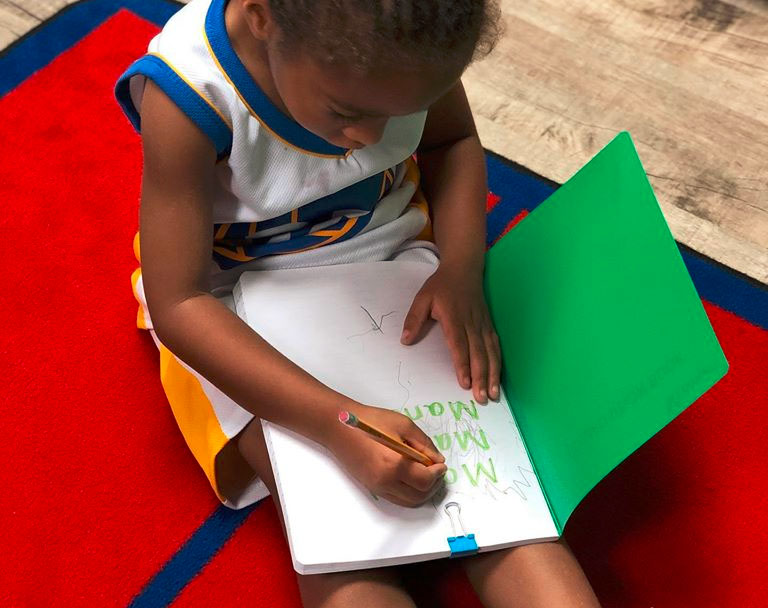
(366, 131)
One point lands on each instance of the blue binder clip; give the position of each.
(460, 544)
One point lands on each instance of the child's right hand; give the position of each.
(382, 470)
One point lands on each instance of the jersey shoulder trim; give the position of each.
(180, 90)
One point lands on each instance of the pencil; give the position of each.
(385, 439)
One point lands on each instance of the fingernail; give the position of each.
(465, 382)
(483, 395)
(495, 391)
(404, 337)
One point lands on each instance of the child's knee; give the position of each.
(379, 588)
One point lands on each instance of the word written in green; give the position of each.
(452, 476)
(436, 408)
(444, 441)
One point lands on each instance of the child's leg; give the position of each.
(544, 575)
(374, 588)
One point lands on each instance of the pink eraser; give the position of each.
(347, 418)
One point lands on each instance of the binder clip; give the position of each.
(460, 544)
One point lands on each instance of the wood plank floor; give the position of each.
(687, 78)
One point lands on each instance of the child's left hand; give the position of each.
(453, 296)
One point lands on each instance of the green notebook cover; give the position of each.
(603, 335)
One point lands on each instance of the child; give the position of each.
(281, 134)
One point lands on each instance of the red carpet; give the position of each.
(99, 493)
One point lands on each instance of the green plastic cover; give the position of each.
(604, 337)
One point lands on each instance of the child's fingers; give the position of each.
(413, 495)
(420, 441)
(410, 483)
(479, 365)
(494, 363)
(416, 318)
(391, 498)
(410, 495)
(399, 500)
(419, 477)
(457, 344)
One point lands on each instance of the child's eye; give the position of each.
(344, 117)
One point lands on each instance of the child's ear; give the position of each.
(259, 18)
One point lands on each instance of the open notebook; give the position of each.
(604, 342)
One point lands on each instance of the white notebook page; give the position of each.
(343, 324)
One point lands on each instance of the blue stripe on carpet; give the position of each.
(43, 44)
(191, 558)
(726, 288)
(518, 190)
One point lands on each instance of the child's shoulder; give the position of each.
(179, 61)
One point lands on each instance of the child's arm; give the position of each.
(452, 164)
(176, 239)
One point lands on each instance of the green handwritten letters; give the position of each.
(472, 439)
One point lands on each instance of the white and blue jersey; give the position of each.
(283, 197)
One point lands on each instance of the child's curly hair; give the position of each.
(367, 34)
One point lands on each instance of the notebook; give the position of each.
(604, 342)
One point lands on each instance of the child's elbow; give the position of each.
(162, 321)
(173, 318)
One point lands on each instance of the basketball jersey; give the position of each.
(283, 196)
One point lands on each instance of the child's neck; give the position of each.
(252, 53)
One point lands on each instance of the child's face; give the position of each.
(348, 109)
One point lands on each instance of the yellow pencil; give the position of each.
(385, 439)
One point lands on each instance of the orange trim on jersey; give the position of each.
(418, 200)
(387, 178)
(383, 184)
(332, 234)
(238, 255)
(412, 173)
(136, 247)
(222, 231)
(335, 234)
(141, 321)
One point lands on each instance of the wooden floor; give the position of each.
(687, 78)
